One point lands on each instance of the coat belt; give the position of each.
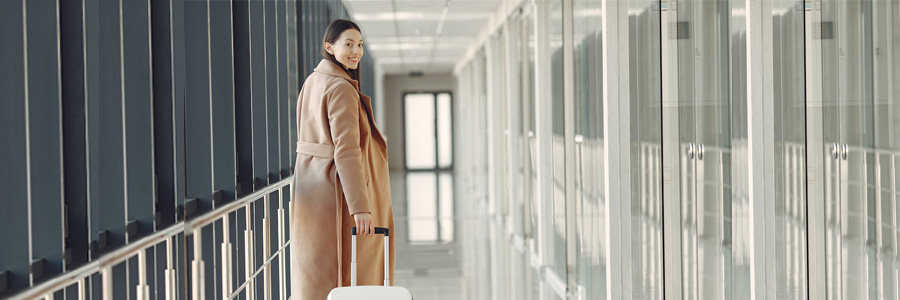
(317, 150)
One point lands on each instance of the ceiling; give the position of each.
(426, 36)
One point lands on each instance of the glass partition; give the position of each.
(529, 154)
(698, 38)
(790, 221)
(646, 146)
(557, 205)
(857, 53)
(591, 234)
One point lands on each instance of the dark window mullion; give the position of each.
(243, 104)
(73, 113)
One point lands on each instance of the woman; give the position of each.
(341, 174)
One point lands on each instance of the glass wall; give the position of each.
(790, 219)
(855, 45)
(590, 197)
(555, 257)
(731, 149)
(645, 90)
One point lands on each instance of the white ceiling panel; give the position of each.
(426, 36)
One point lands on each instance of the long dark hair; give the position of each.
(332, 33)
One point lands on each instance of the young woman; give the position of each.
(341, 174)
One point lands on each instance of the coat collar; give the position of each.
(329, 67)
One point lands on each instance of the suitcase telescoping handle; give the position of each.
(387, 255)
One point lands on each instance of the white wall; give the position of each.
(392, 125)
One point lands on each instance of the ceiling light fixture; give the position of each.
(397, 33)
(440, 27)
(438, 32)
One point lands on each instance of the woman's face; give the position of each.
(348, 48)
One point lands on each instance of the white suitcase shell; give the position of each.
(370, 292)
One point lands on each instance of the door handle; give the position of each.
(834, 150)
(700, 151)
(691, 151)
(846, 150)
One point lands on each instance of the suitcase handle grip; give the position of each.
(378, 230)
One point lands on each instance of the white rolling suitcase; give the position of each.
(370, 292)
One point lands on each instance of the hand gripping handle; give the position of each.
(387, 255)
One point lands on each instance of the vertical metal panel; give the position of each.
(104, 95)
(222, 93)
(258, 214)
(242, 94)
(160, 260)
(214, 279)
(70, 292)
(294, 65)
(198, 156)
(238, 224)
(209, 250)
(241, 252)
(243, 134)
(163, 112)
(275, 199)
(180, 267)
(306, 26)
(310, 16)
(287, 254)
(272, 94)
(73, 114)
(120, 283)
(258, 92)
(177, 24)
(92, 84)
(283, 63)
(44, 135)
(188, 257)
(138, 113)
(95, 291)
(152, 269)
(131, 280)
(13, 216)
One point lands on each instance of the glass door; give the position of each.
(853, 47)
(709, 54)
(697, 83)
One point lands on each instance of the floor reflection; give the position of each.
(428, 255)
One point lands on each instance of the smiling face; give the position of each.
(347, 49)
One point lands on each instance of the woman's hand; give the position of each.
(364, 224)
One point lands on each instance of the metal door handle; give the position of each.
(700, 151)
(691, 151)
(846, 149)
(834, 150)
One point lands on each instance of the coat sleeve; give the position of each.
(343, 118)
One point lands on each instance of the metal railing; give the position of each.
(192, 227)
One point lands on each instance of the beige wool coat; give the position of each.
(341, 169)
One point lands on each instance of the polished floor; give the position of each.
(429, 267)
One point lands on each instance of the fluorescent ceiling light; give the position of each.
(412, 46)
(418, 16)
